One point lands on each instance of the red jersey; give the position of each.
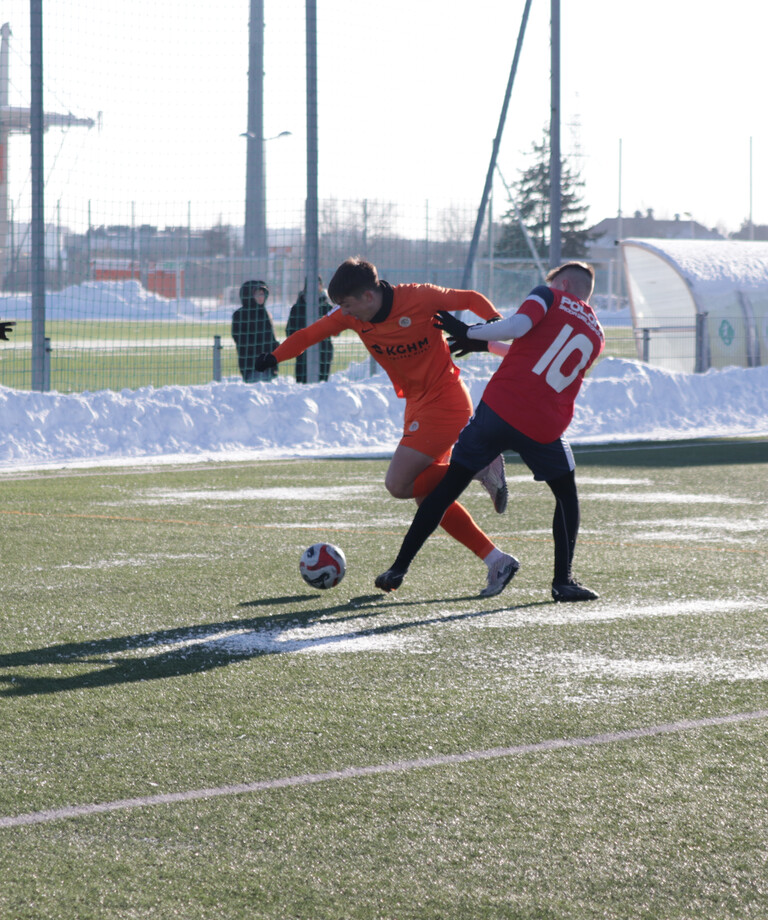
(401, 337)
(535, 386)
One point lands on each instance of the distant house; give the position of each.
(604, 236)
(756, 232)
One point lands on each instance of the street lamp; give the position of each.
(273, 138)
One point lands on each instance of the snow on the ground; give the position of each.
(103, 299)
(621, 401)
(350, 415)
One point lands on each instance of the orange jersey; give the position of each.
(401, 337)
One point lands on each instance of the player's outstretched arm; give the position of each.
(511, 327)
(298, 342)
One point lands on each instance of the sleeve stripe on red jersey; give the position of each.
(541, 295)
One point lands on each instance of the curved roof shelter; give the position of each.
(698, 304)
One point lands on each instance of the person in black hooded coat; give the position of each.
(297, 319)
(252, 330)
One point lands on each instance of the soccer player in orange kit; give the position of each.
(397, 326)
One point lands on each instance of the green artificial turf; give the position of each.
(157, 639)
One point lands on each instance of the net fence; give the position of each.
(145, 153)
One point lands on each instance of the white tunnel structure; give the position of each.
(698, 304)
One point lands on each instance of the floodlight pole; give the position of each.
(311, 222)
(555, 178)
(751, 224)
(494, 154)
(619, 231)
(38, 186)
(255, 233)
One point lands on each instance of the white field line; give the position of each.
(400, 766)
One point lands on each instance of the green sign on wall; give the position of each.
(726, 332)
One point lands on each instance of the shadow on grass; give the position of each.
(193, 649)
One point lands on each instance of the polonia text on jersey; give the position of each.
(576, 308)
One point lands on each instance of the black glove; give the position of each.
(461, 347)
(5, 328)
(451, 324)
(458, 343)
(265, 362)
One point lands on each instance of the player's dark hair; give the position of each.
(567, 266)
(351, 278)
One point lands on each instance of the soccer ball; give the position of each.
(322, 565)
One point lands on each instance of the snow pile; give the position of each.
(350, 415)
(621, 401)
(101, 300)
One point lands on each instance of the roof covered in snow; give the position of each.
(718, 265)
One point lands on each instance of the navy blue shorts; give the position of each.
(486, 435)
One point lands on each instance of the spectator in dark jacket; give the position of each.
(297, 319)
(252, 330)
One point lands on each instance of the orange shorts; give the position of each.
(433, 428)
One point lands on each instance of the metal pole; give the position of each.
(255, 234)
(133, 241)
(217, 358)
(702, 360)
(5, 203)
(59, 263)
(38, 210)
(14, 254)
(311, 226)
(751, 223)
(491, 245)
(619, 231)
(88, 247)
(496, 143)
(555, 242)
(47, 366)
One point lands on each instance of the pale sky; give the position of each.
(410, 93)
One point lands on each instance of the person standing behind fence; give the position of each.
(252, 331)
(297, 319)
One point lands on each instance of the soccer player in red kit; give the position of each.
(527, 405)
(397, 326)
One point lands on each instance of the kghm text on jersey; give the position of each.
(403, 350)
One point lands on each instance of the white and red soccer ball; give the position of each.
(322, 565)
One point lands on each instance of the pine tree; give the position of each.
(533, 204)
